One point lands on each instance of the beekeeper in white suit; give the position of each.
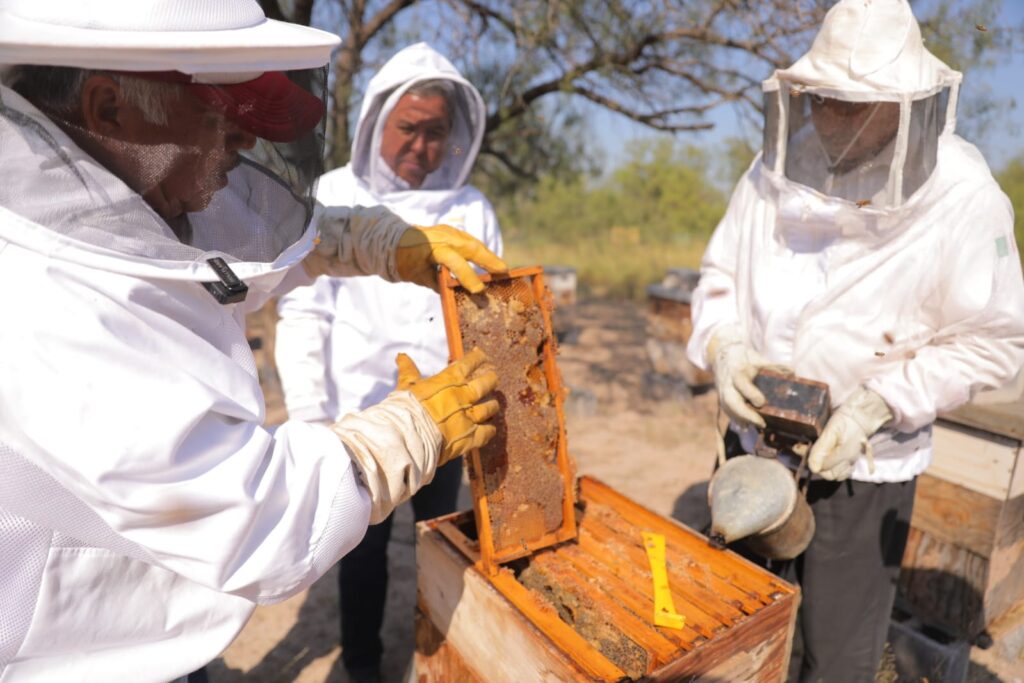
(419, 130)
(156, 183)
(868, 247)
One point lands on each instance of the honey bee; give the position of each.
(861, 203)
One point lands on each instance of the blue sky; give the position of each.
(999, 144)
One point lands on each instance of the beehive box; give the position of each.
(562, 281)
(521, 482)
(963, 567)
(571, 599)
(583, 610)
(669, 327)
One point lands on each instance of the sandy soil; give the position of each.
(649, 440)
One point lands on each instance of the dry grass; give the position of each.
(614, 266)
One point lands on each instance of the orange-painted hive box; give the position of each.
(548, 579)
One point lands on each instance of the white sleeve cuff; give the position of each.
(395, 445)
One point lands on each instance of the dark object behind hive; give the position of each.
(521, 481)
(796, 409)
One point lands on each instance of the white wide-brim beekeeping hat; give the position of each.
(190, 36)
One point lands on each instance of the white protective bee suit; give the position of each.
(877, 257)
(144, 510)
(902, 274)
(337, 339)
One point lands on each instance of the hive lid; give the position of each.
(522, 481)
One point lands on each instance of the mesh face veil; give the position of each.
(163, 166)
(859, 117)
(875, 153)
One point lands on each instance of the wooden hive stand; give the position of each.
(963, 568)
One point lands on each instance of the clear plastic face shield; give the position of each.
(870, 153)
(173, 169)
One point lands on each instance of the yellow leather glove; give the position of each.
(453, 399)
(421, 250)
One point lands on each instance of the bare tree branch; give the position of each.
(656, 119)
(507, 161)
(382, 17)
(662, 63)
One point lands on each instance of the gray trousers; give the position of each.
(848, 578)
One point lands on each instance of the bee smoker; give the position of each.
(756, 497)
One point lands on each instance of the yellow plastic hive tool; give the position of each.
(664, 611)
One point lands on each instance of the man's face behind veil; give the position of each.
(175, 166)
(853, 132)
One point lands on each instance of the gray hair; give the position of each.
(436, 87)
(57, 89)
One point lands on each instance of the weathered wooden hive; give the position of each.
(963, 569)
(549, 579)
(669, 327)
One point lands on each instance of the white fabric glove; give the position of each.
(356, 240)
(395, 445)
(845, 437)
(735, 365)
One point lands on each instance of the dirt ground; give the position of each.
(650, 439)
(647, 439)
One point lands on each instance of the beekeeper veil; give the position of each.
(858, 118)
(161, 133)
(418, 69)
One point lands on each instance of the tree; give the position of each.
(969, 36)
(662, 63)
(655, 211)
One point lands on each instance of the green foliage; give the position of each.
(734, 161)
(1012, 181)
(971, 36)
(547, 141)
(963, 33)
(621, 232)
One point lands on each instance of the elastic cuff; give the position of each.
(424, 423)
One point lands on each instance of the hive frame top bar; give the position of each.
(492, 552)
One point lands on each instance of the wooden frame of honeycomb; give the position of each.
(522, 482)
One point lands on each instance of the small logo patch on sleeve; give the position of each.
(1002, 246)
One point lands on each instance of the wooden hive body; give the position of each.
(587, 614)
(504, 597)
(963, 567)
(669, 327)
